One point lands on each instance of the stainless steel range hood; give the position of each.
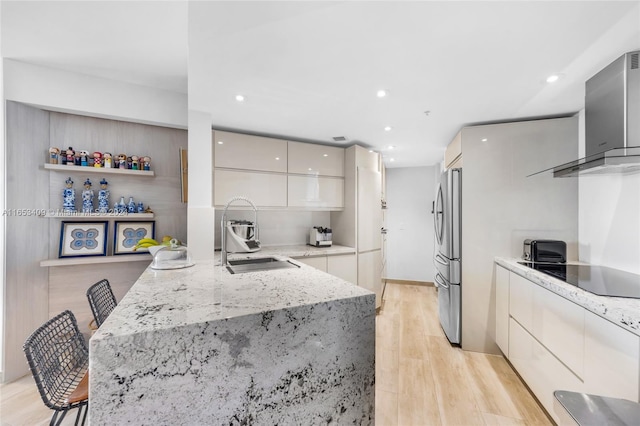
(612, 121)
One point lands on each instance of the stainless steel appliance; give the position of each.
(545, 251)
(612, 128)
(447, 222)
(320, 237)
(594, 279)
(241, 237)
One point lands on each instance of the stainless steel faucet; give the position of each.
(223, 250)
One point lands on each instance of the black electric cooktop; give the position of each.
(594, 279)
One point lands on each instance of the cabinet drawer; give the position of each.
(306, 158)
(318, 262)
(521, 300)
(313, 191)
(248, 152)
(502, 309)
(264, 189)
(611, 359)
(542, 372)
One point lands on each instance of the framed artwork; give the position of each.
(128, 234)
(83, 239)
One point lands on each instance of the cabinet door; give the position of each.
(559, 325)
(318, 262)
(343, 266)
(247, 152)
(521, 300)
(369, 273)
(542, 372)
(314, 191)
(369, 211)
(312, 159)
(502, 309)
(264, 189)
(611, 359)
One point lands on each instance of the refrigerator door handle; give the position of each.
(440, 282)
(441, 260)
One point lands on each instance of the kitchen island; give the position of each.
(203, 346)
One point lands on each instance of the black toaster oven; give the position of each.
(553, 251)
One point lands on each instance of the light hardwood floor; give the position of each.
(420, 378)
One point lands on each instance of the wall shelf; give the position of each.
(90, 260)
(88, 169)
(92, 216)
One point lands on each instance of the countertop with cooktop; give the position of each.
(624, 312)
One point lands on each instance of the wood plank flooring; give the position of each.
(421, 380)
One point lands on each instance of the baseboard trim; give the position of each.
(409, 282)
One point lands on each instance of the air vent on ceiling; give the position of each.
(339, 138)
(635, 59)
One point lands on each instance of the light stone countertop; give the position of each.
(300, 250)
(624, 312)
(205, 292)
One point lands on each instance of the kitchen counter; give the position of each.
(303, 251)
(203, 346)
(624, 312)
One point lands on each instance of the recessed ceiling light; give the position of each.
(381, 93)
(484, 139)
(392, 160)
(309, 168)
(220, 142)
(370, 150)
(277, 158)
(325, 155)
(553, 78)
(387, 128)
(239, 98)
(391, 147)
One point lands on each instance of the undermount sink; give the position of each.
(239, 266)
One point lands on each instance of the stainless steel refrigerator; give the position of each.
(447, 253)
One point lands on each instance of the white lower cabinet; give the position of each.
(315, 191)
(502, 309)
(556, 344)
(343, 266)
(318, 262)
(264, 189)
(540, 369)
(369, 272)
(611, 365)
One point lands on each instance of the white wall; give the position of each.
(410, 240)
(2, 207)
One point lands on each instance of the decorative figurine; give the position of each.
(131, 207)
(70, 157)
(77, 159)
(120, 207)
(107, 160)
(128, 163)
(97, 159)
(69, 197)
(84, 158)
(134, 162)
(122, 161)
(103, 197)
(148, 210)
(54, 153)
(87, 197)
(63, 157)
(140, 207)
(146, 163)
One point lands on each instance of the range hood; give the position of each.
(612, 121)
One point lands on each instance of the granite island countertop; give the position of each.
(621, 311)
(204, 346)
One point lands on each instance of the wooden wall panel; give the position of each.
(26, 283)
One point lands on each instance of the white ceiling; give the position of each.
(310, 70)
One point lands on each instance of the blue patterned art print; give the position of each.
(83, 239)
(132, 236)
(128, 233)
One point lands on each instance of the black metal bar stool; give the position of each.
(101, 300)
(59, 359)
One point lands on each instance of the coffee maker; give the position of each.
(241, 236)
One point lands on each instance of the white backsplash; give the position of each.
(278, 227)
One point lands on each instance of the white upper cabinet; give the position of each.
(311, 159)
(315, 192)
(247, 152)
(263, 189)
